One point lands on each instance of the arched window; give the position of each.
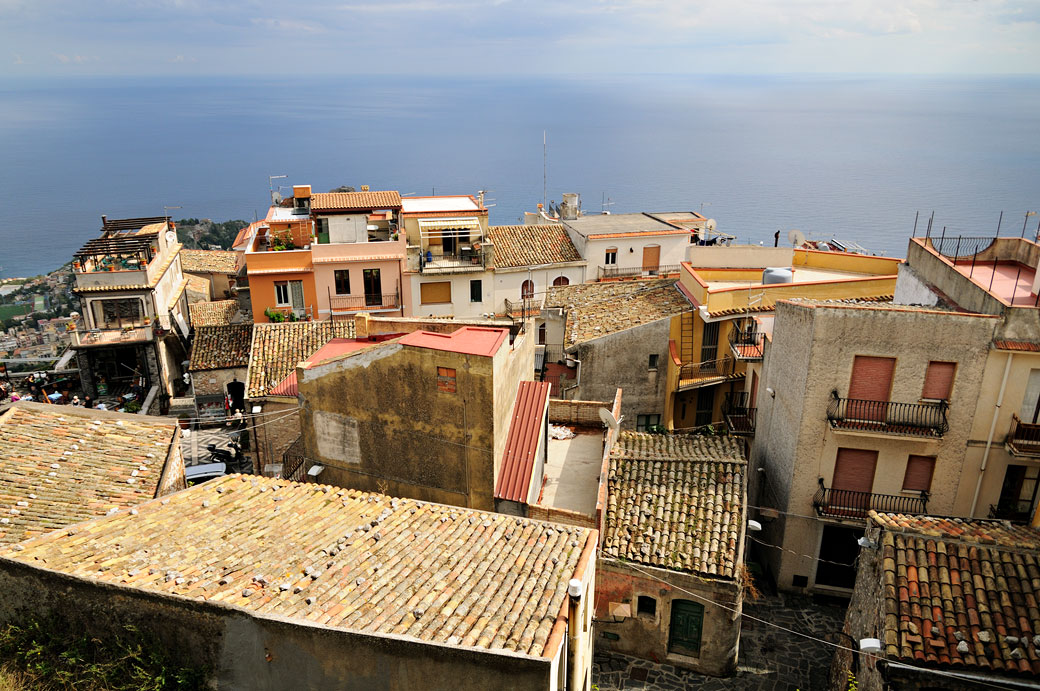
(527, 290)
(541, 334)
(561, 281)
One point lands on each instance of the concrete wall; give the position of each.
(646, 636)
(214, 381)
(620, 361)
(508, 283)
(812, 355)
(630, 251)
(276, 430)
(512, 364)
(325, 278)
(172, 479)
(243, 651)
(460, 306)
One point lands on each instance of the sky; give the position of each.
(64, 38)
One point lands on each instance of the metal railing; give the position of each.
(126, 334)
(845, 503)
(523, 308)
(1023, 437)
(294, 463)
(612, 272)
(960, 247)
(431, 263)
(703, 373)
(358, 303)
(554, 354)
(747, 345)
(914, 419)
(740, 417)
(1017, 510)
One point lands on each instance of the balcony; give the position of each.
(907, 419)
(747, 345)
(108, 337)
(696, 375)
(1024, 438)
(740, 417)
(613, 273)
(844, 503)
(465, 260)
(1014, 510)
(361, 303)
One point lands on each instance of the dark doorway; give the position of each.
(684, 632)
(373, 288)
(838, 552)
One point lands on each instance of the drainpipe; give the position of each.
(575, 590)
(992, 431)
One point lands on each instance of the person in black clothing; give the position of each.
(88, 401)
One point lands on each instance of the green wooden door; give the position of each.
(684, 634)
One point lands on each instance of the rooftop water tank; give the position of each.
(777, 275)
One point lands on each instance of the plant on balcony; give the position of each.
(274, 316)
(282, 241)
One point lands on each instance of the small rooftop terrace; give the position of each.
(988, 273)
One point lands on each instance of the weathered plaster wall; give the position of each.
(214, 382)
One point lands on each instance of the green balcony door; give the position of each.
(684, 634)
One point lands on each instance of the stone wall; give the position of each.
(647, 635)
(242, 651)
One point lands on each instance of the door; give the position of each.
(709, 344)
(839, 548)
(753, 398)
(853, 482)
(684, 632)
(652, 258)
(1017, 493)
(296, 295)
(373, 287)
(869, 387)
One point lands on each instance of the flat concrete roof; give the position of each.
(608, 224)
(801, 275)
(572, 468)
(1010, 281)
(468, 340)
(419, 205)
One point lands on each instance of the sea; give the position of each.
(859, 158)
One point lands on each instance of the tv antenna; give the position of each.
(545, 167)
(480, 198)
(607, 201)
(270, 185)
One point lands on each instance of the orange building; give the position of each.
(279, 265)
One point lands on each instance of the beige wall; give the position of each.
(460, 306)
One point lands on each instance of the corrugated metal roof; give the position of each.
(518, 460)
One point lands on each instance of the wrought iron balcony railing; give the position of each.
(845, 503)
(747, 345)
(1023, 437)
(1016, 510)
(698, 374)
(914, 419)
(612, 272)
(740, 417)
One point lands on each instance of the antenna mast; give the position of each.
(545, 167)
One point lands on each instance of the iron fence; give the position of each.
(845, 503)
(914, 419)
(702, 373)
(747, 345)
(357, 303)
(612, 272)
(740, 417)
(294, 463)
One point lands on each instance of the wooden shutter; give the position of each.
(919, 471)
(435, 293)
(854, 470)
(651, 258)
(938, 380)
(871, 378)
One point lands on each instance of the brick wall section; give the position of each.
(576, 412)
(554, 515)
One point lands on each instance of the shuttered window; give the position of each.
(871, 378)
(938, 380)
(435, 293)
(919, 471)
(854, 470)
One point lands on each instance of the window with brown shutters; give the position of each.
(938, 380)
(435, 293)
(854, 470)
(871, 378)
(919, 470)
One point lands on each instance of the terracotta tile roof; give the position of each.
(676, 502)
(278, 348)
(198, 284)
(209, 261)
(518, 460)
(598, 309)
(290, 386)
(961, 593)
(355, 201)
(60, 466)
(1023, 346)
(219, 313)
(346, 559)
(221, 347)
(531, 245)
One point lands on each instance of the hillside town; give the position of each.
(380, 443)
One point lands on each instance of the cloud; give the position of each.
(75, 59)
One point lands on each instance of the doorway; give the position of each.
(684, 632)
(838, 551)
(373, 287)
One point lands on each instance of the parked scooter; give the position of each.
(236, 462)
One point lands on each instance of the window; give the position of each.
(342, 278)
(527, 290)
(610, 259)
(938, 380)
(653, 361)
(646, 606)
(281, 294)
(114, 313)
(919, 470)
(541, 334)
(854, 471)
(476, 291)
(561, 281)
(705, 407)
(644, 423)
(710, 342)
(446, 379)
(438, 293)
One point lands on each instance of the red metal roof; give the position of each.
(468, 340)
(334, 348)
(522, 442)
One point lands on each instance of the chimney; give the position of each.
(361, 327)
(301, 191)
(364, 188)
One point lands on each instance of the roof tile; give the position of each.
(351, 560)
(278, 348)
(532, 245)
(221, 347)
(355, 201)
(209, 261)
(219, 313)
(598, 309)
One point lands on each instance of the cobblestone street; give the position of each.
(770, 659)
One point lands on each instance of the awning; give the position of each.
(436, 227)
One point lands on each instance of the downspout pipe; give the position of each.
(992, 431)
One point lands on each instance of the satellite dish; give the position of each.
(796, 237)
(171, 237)
(710, 225)
(608, 418)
